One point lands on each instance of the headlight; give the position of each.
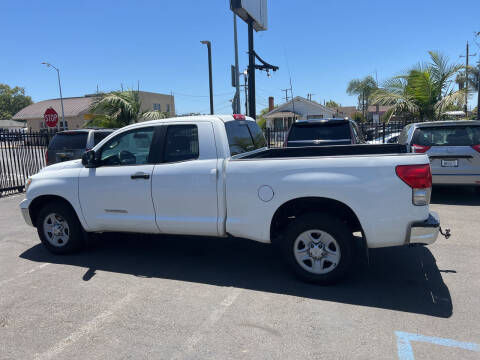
(27, 184)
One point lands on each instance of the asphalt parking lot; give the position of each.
(144, 297)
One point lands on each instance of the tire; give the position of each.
(318, 248)
(66, 234)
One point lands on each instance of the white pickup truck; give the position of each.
(214, 176)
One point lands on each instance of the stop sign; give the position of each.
(51, 117)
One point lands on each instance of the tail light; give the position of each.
(239, 117)
(476, 147)
(420, 148)
(419, 178)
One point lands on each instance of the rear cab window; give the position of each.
(456, 135)
(244, 136)
(69, 140)
(320, 131)
(181, 143)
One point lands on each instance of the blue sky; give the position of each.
(320, 44)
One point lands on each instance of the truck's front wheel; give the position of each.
(318, 247)
(59, 229)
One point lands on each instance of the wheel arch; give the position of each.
(40, 201)
(293, 208)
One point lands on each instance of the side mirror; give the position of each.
(88, 159)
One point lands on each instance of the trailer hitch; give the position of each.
(446, 234)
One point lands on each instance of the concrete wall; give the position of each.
(166, 102)
(73, 122)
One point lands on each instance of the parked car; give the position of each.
(214, 176)
(71, 144)
(389, 139)
(317, 132)
(452, 146)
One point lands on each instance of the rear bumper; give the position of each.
(460, 179)
(26, 212)
(425, 232)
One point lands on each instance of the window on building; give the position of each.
(157, 107)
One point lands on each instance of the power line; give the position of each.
(202, 96)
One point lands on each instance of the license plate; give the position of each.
(450, 163)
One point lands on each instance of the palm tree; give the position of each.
(120, 108)
(425, 91)
(363, 88)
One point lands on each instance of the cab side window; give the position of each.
(181, 143)
(128, 148)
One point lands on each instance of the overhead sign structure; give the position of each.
(254, 13)
(51, 117)
(249, 10)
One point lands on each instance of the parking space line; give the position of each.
(90, 327)
(404, 344)
(3, 282)
(192, 341)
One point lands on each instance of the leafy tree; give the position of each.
(120, 108)
(473, 116)
(262, 122)
(473, 75)
(364, 89)
(424, 92)
(12, 100)
(332, 104)
(358, 117)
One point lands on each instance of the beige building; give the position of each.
(76, 109)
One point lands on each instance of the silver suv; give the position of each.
(71, 144)
(452, 146)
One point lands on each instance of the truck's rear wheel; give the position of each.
(59, 229)
(318, 248)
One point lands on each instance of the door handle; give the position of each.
(140, 175)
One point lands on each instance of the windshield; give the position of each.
(321, 131)
(76, 140)
(465, 135)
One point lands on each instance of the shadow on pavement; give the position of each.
(455, 195)
(402, 279)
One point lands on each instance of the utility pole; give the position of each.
(245, 81)
(466, 56)
(478, 88)
(478, 78)
(237, 74)
(286, 94)
(251, 73)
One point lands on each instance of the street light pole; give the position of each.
(209, 48)
(61, 97)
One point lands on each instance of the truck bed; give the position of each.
(332, 150)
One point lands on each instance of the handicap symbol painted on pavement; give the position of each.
(404, 344)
